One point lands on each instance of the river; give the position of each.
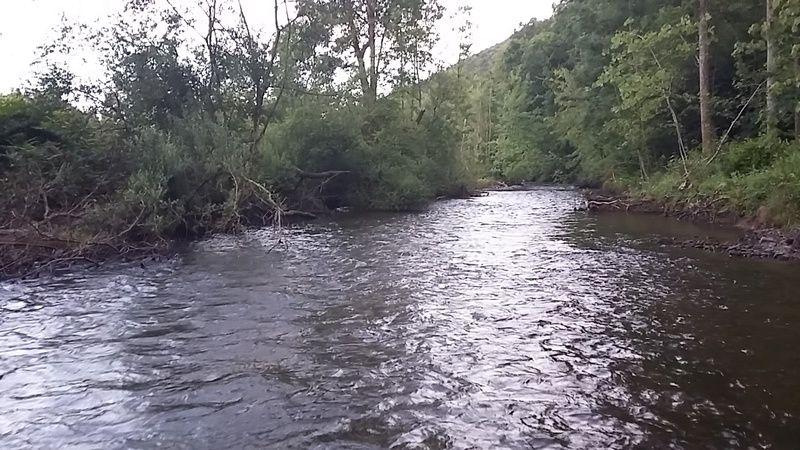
(504, 322)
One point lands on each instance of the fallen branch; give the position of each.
(24, 254)
(320, 175)
(135, 222)
(301, 214)
(730, 128)
(60, 261)
(30, 244)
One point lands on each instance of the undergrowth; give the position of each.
(758, 179)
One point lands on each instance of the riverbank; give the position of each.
(30, 251)
(26, 253)
(759, 241)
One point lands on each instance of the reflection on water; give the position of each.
(507, 321)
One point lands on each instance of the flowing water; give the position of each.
(507, 321)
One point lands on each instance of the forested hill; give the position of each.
(483, 61)
(679, 100)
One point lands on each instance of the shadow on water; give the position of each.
(713, 335)
(507, 321)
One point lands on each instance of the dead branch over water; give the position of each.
(26, 252)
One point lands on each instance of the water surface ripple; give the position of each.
(506, 321)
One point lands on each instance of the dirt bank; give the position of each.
(758, 241)
(26, 252)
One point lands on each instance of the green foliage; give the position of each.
(11, 107)
(751, 155)
(605, 93)
(768, 191)
(188, 136)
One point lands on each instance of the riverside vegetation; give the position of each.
(692, 104)
(203, 122)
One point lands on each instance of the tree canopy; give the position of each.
(674, 99)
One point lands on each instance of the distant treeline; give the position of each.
(683, 101)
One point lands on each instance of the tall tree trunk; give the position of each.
(364, 75)
(797, 101)
(213, 67)
(372, 25)
(706, 115)
(772, 106)
(797, 122)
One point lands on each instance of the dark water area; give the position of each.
(504, 322)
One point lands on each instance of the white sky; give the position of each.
(27, 24)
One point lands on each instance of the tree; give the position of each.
(779, 45)
(387, 42)
(645, 69)
(769, 36)
(708, 131)
(786, 85)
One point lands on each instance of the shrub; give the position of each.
(752, 154)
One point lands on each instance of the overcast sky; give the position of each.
(26, 24)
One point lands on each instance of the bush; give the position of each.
(765, 187)
(194, 173)
(752, 154)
